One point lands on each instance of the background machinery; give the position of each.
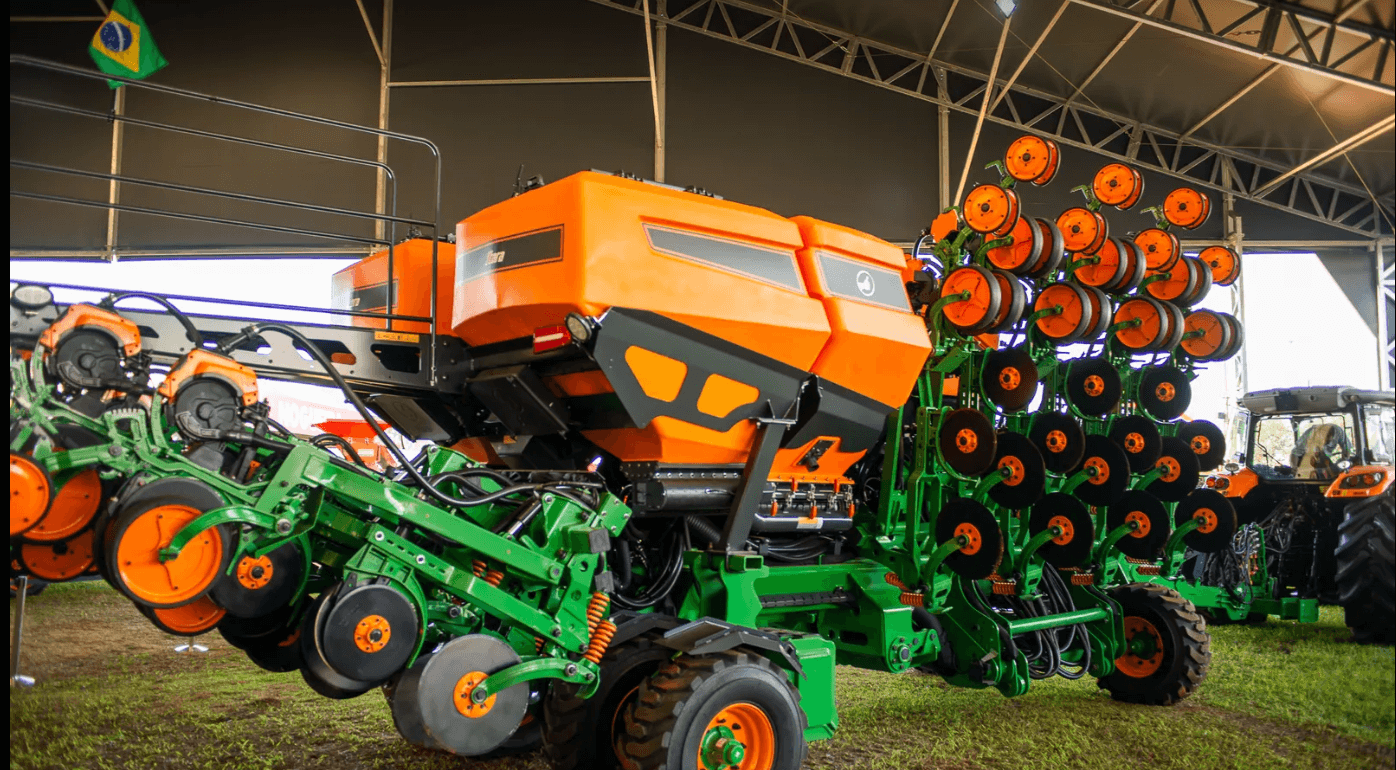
(686, 456)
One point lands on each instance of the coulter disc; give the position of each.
(1060, 439)
(1151, 516)
(1218, 517)
(1093, 386)
(966, 441)
(1017, 451)
(1010, 378)
(1112, 471)
(963, 517)
(1072, 548)
(1139, 437)
(431, 701)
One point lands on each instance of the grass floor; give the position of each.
(112, 694)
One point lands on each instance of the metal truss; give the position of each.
(1277, 30)
(920, 75)
(1386, 304)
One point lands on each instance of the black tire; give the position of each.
(1366, 575)
(580, 734)
(664, 726)
(1186, 647)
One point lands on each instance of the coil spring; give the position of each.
(895, 581)
(478, 568)
(493, 577)
(596, 612)
(913, 600)
(538, 643)
(600, 640)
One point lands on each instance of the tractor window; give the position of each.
(1305, 447)
(1380, 424)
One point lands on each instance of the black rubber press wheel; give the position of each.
(1167, 648)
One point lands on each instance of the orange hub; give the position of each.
(1139, 518)
(739, 737)
(372, 634)
(1209, 519)
(63, 560)
(1102, 272)
(1083, 230)
(1094, 385)
(179, 580)
(1201, 445)
(1016, 466)
(1064, 524)
(1115, 184)
(1062, 324)
(1134, 443)
(1102, 470)
(1160, 248)
(1213, 335)
(1172, 469)
(973, 540)
(989, 208)
(1222, 262)
(254, 573)
(30, 492)
(1186, 208)
(1014, 256)
(464, 705)
(1165, 392)
(1010, 378)
(966, 441)
(73, 508)
(192, 619)
(1056, 441)
(1028, 158)
(968, 312)
(1143, 649)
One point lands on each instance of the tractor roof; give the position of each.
(1312, 399)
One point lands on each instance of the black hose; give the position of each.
(349, 452)
(189, 329)
(706, 530)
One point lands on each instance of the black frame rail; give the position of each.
(389, 217)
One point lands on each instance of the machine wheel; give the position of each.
(1167, 648)
(732, 708)
(582, 733)
(1366, 573)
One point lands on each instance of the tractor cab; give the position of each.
(1314, 435)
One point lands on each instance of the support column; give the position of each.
(1386, 294)
(1233, 236)
(118, 135)
(380, 228)
(943, 143)
(661, 67)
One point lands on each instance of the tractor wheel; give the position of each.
(1167, 648)
(1366, 574)
(732, 708)
(582, 733)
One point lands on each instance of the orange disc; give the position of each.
(1019, 256)
(1074, 304)
(752, 730)
(1144, 645)
(1150, 328)
(1216, 334)
(1028, 158)
(177, 581)
(1053, 163)
(63, 560)
(989, 208)
(31, 491)
(1186, 208)
(464, 705)
(1105, 272)
(1065, 525)
(984, 299)
(1180, 281)
(971, 534)
(190, 620)
(1223, 263)
(1083, 230)
(1115, 184)
(1160, 247)
(1142, 520)
(1138, 191)
(73, 508)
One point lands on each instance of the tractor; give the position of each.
(1315, 478)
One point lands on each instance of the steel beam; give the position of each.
(1356, 140)
(1032, 51)
(1386, 298)
(983, 109)
(1344, 206)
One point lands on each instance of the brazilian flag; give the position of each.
(123, 45)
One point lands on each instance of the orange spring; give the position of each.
(596, 612)
(600, 641)
(493, 577)
(478, 567)
(895, 581)
(913, 600)
(538, 643)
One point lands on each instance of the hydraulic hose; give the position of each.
(189, 329)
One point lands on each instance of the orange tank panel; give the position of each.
(878, 345)
(364, 286)
(593, 241)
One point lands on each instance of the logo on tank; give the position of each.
(864, 281)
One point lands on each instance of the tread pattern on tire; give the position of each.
(567, 741)
(650, 722)
(1193, 656)
(1366, 569)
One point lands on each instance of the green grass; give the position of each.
(112, 694)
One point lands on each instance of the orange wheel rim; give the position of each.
(739, 737)
(973, 540)
(1016, 466)
(1186, 208)
(1175, 285)
(968, 312)
(63, 560)
(1159, 247)
(987, 208)
(1213, 333)
(1103, 272)
(1028, 158)
(193, 618)
(1148, 328)
(1209, 520)
(1015, 255)
(1102, 470)
(255, 573)
(1134, 443)
(1114, 184)
(1063, 324)
(1172, 469)
(1054, 160)
(1201, 445)
(1064, 524)
(73, 507)
(1165, 392)
(1010, 378)
(178, 580)
(1056, 441)
(1220, 260)
(372, 634)
(464, 705)
(1143, 649)
(966, 441)
(1094, 385)
(1079, 227)
(1144, 525)
(29, 493)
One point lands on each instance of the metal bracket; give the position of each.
(706, 636)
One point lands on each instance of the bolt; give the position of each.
(285, 484)
(375, 635)
(421, 559)
(453, 612)
(479, 694)
(257, 572)
(590, 676)
(571, 669)
(378, 536)
(283, 526)
(114, 451)
(557, 631)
